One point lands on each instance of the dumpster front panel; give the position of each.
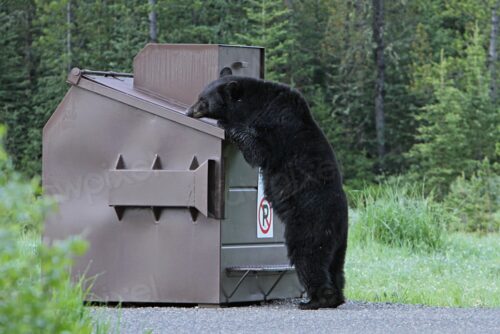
(138, 252)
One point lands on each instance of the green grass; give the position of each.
(464, 273)
(400, 251)
(399, 215)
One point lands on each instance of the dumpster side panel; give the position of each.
(240, 243)
(240, 223)
(239, 173)
(138, 258)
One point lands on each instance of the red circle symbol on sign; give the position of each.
(265, 216)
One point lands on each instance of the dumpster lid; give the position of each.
(120, 87)
(178, 72)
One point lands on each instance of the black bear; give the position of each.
(272, 126)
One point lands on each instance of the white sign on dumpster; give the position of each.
(264, 212)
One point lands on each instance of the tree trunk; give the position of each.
(68, 34)
(153, 32)
(28, 45)
(492, 52)
(378, 38)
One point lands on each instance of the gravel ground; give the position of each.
(284, 317)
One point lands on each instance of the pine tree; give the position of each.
(307, 28)
(345, 112)
(492, 50)
(460, 128)
(268, 26)
(109, 34)
(16, 75)
(197, 21)
(53, 60)
(379, 52)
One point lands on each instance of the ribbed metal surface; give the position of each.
(262, 268)
(176, 72)
(179, 72)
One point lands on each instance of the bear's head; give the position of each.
(218, 98)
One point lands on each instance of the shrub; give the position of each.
(32, 301)
(399, 215)
(475, 201)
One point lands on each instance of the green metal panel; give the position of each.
(239, 174)
(240, 225)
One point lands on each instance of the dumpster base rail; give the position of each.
(280, 269)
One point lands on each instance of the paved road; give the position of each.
(284, 317)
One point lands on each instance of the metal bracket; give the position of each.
(282, 269)
(158, 188)
(74, 76)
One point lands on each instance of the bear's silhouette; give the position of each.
(273, 127)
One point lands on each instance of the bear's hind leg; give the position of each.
(312, 266)
(337, 270)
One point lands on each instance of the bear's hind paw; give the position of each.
(317, 304)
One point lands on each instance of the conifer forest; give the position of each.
(402, 89)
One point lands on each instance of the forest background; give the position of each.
(405, 89)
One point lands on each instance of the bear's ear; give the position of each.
(225, 71)
(234, 90)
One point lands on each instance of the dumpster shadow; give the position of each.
(274, 302)
(137, 304)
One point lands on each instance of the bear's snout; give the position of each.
(190, 112)
(196, 111)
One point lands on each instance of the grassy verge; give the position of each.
(464, 273)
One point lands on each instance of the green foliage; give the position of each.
(15, 75)
(399, 215)
(306, 29)
(461, 127)
(355, 163)
(36, 295)
(452, 269)
(343, 103)
(268, 23)
(107, 35)
(197, 21)
(475, 201)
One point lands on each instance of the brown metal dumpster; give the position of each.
(172, 212)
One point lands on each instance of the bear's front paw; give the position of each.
(230, 132)
(234, 133)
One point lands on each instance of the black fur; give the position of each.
(272, 126)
